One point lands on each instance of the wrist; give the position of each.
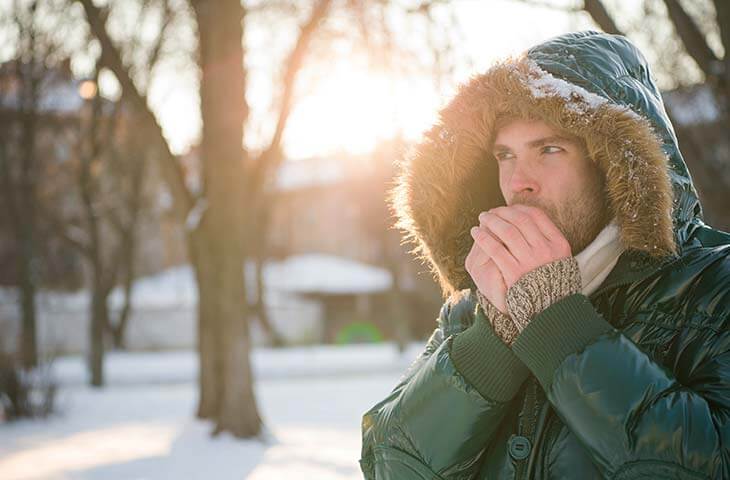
(538, 289)
(501, 323)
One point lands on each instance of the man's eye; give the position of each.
(551, 149)
(501, 156)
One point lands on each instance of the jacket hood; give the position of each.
(593, 85)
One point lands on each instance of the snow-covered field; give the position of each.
(142, 425)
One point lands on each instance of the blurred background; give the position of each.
(199, 273)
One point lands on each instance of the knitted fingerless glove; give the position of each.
(540, 288)
(502, 325)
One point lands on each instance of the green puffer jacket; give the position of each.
(631, 382)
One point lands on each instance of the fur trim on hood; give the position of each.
(451, 175)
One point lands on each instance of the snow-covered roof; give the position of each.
(328, 274)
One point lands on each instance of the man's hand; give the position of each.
(516, 240)
(487, 276)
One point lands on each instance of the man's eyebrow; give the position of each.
(500, 148)
(551, 139)
(537, 143)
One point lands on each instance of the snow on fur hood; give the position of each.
(594, 85)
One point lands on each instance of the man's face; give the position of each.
(540, 167)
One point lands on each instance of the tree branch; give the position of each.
(111, 59)
(692, 38)
(597, 10)
(70, 233)
(272, 157)
(722, 9)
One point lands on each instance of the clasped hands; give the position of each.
(509, 242)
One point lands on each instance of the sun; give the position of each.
(352, 109)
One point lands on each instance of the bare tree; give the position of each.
(25, 82)
(106, 179)
(106, 176)
(223, 223)
(128, 165)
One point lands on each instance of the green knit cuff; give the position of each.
(486, 362)
(564, 328)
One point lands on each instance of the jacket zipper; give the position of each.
(528, 423)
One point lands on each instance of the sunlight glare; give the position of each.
(352, 110)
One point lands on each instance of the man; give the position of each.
(585, 334)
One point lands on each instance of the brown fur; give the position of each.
(451, 176)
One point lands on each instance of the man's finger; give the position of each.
(498, 252)
(544, 223)
(476, 256)
(509, 234)
(525, 223)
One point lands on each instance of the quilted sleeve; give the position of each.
(438, 421)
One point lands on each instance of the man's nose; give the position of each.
(523, 181)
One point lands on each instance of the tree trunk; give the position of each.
(99, 315)
(209, 359)
(118, 329)
(128, 253)
(238, 414)
(27, 213)
(226, 380)
(220, 240)
(28, 345)
(722, 10)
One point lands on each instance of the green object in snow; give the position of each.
(359, 332)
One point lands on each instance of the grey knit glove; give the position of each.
(540, 288)
(502, 325)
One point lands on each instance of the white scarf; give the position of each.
(598, 259)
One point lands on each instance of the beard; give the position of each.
(581, 217)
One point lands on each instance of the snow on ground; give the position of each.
(146, 429)
(137, 368)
